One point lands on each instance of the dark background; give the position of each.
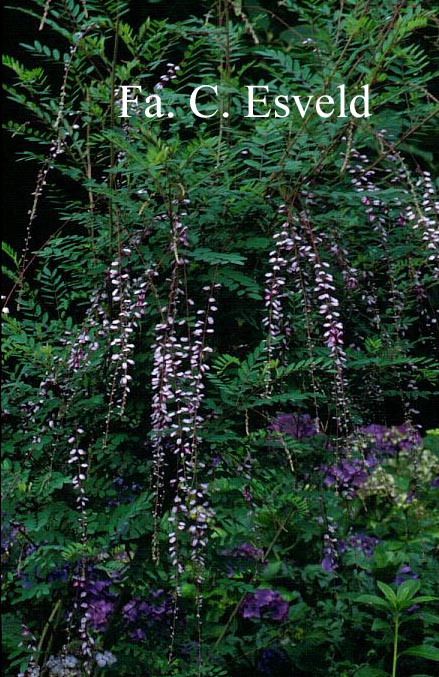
(19, 177)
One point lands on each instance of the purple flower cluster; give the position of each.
(245, 551)
(128, 296)
(348, 476)
(79, 353)
(388, 441)
(351, 474)
(96, 327)
(141, 613)
(299, 426)
(268, 603)
(155, 610)
(362, 542)
(100, 603)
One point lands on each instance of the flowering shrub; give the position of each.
(221, 366)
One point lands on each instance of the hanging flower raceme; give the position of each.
(179, 367)
(126, 297)
(425, 220)
(78, 458)
(79, 461)
(288, 277)
(130, 296)
(377, 213)
(191, 511)
(328, 308)
(95, 329)
(275, 288)
(349, 272)
(333, 336)
(294, 260)
(423, 215)
(169, 353)
(30, 642)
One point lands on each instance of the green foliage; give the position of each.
(169, 236)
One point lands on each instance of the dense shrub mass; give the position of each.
(221, 453)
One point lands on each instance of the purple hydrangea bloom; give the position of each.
(366, 544)
(348, 476)
(98, 601)
(97, 588)
(99, 612)
(156, 609)
(267, 602)
(386, 440)
(297, 425)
